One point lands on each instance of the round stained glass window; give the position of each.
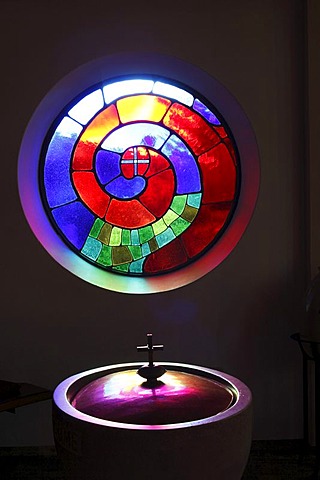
(138, 177)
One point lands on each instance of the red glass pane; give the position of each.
(128, 214)
(221, 131)
(127, 170)
(229, 145)
(218, 174)
(205, 227)
(159, 193)
(168, 257)
(129, 154)
(191, 127)
(157, 163)
(143, 152)
(91, 193)
(83, 155)
(92, 136)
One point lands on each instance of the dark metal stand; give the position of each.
(310, 350)
(14, 395)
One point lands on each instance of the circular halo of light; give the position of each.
(101, 70)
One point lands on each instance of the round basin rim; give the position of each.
(242, 393)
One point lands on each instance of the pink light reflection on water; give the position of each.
(130, 384)
(127, 398)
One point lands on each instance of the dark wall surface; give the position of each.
(239, 317)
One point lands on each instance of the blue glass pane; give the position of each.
(92, 248)
(125, 188)
(188, 178)
(135, 240)
(84, 110)
(57, 180)
(126, 87)
(75, 222)
(194, 200)
(107, 166)
(145, 249)
(137, 266)
(171, 91)
(145, 134)
(165, 237)
(205, 112)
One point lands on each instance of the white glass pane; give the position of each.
(176, 93)
(126, 87)
(68, 128)
(84, 110)
(137, 134)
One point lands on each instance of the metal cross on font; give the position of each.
(150, 348)
(151, 372)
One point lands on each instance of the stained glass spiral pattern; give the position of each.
(140, 176)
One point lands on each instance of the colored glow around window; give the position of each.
(138, 183)
(140, 177)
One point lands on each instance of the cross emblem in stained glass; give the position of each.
(135, 161)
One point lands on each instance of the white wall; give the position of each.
(239, 317)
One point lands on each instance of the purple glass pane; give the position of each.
(57, 181)
(107, 166)
(205, 112)
(125, 188)
(75, 222)
(184, 164)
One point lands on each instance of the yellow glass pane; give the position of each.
(105, 234)
(121, 255)
(142, 107)
(100, 126)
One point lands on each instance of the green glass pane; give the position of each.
(104, 235)
(159, 227)
(189, 213)
(115, 237)
(135, 251)
(179, 226)
(146, 233)
(105, 256)
(169, 216)
(153, 245)
(96, 227)
(178, 203)
(121, 255)
(122, 268)
(194, 200)
(165, 237)
(137, 267)
(126, 237)
(91, 248)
